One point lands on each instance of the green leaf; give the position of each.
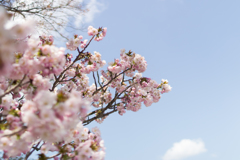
(14, 112)
(65, 157)
(3, 126)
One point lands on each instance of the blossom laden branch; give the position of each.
(67, 68)
(48, 112)
(113, 78)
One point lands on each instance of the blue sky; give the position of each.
(195, 44)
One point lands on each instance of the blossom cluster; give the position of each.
(98, 35)
(51, 117)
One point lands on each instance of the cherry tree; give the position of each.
(46, 101)
(50, 15)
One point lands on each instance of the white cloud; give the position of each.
(185, 148)
(94, 7)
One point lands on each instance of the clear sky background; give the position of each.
(195, 44)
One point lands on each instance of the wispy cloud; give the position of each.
(94, 7)
(185, 148)
(65, 19)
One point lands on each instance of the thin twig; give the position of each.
(15, 87)
(29, 153)
(94, 118)
(14, 133)
(110, 81)
(99, 80)
(68, 79)
(53, 156)
(94, 80)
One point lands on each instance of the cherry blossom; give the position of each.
(46, 97)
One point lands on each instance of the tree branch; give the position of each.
(29, 153)
(15, 87)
